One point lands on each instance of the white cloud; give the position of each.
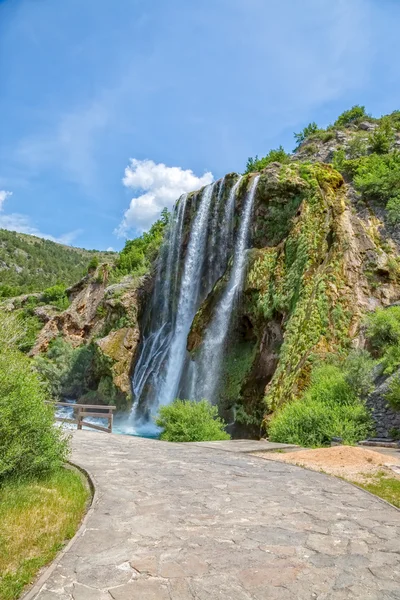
(3, 195)
(161, 187)
(22, 224)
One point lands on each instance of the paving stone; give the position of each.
(143, 589)
(189, 521)
(82, 592)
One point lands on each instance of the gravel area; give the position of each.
(343, 461)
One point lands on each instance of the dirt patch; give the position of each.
(355, 464)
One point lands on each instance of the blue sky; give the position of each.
(87, 86)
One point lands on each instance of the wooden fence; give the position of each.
(81, 411)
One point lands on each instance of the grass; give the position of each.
(387, 488)
(37, 517)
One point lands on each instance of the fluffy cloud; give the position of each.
(22, 224)
(3, 195)
(156, 186)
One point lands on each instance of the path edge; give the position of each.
(36, 587)
(354, 485)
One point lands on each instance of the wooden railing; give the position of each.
(88, 410)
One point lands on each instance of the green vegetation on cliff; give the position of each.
(138, 254)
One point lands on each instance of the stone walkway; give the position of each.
(179, 521)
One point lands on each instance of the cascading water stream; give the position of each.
(188, 299)
(211, 353)
(164, 369)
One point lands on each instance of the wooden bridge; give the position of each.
(82, 411)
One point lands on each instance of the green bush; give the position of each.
(93, 264)
(382, 138)
(393, 393)
(358, 371)
(329, 408)
(57, 296)
(313, 423)
(377, 177)
(354, 115)
(257, 164)
(383, 329)
(309, 130)
(29, 442)
(190, 421)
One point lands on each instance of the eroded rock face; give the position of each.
(106, 316)
(120, 346)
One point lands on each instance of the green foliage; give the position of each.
(358, 146)
(393, 393)
(354, 115)
(310, 129)
(67, 370)
(236, 365)
(190, 421)
(56, 296)
(138, 254)
(383, 329)
(329, 408)
(93, 264)
(29, 442)
(33, 264)
(358, 369)
(257, 164)
(382, 138)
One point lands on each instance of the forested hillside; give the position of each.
(31, 264)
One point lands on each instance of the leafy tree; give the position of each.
(382, 138)
(393, 393)
(309, 130)
(352, 116)
(257, 164)
(383, 329)
(190, 421)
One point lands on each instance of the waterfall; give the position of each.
(211, 354)
(160, 315)
(188, 298)
(187, 272)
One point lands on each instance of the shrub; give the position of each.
(378, 177)
(358, 371)
(393, 209)
(358, 146)
(329, 408)
(383, 328)
(393, 393)
(352, 116)
(93, 264)
(257, 164)
(56, 295)
(190, 421)
(383, 137)
(313, 423)
(29, 442)
(309, 130)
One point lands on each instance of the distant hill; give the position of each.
(31, 264)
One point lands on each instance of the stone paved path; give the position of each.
(178, 522)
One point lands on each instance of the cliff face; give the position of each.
(105, 318)
(314, 269)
